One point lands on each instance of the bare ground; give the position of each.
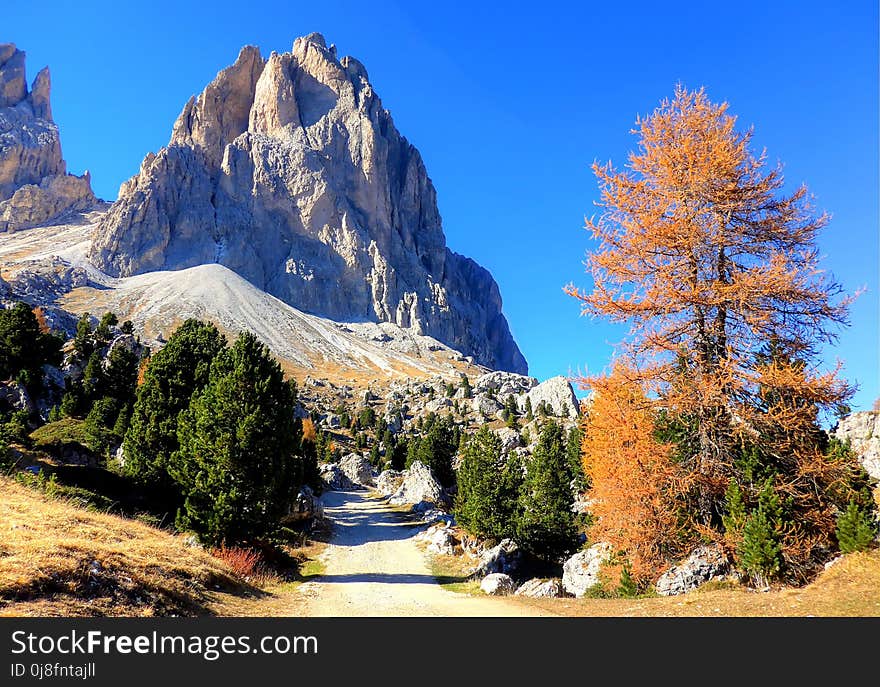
(375, 568)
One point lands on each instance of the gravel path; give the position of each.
(374, 568)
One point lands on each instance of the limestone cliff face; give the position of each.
(290, 172)
(34, 184)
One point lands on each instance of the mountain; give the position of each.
(290, 172)
(34, 184)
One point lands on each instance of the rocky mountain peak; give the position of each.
(34, 184)
(290, 172)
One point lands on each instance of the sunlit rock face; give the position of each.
(289, 171)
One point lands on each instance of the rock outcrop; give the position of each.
(557, 396)
(290, 171)
(418, 485)
(704, 563)
(580, 573)
(34, 184)
(862, 430)
(357, 469)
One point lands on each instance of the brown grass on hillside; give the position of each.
(60, 560)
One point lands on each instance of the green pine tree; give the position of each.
(173, 376)
(627, 587)
(856, 529)
(546, 524)
(236, 464)
(466, 386)
(486, 501)
(760, 552)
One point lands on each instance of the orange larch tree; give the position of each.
(639, 493)
(717, 273)
(708, 263)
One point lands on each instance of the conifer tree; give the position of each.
(856, 529)
(173, 375)
(236, 464)
(488, 489)
(546, 524)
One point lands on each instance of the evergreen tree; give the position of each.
(450, 390)
(120, 375)
(466, 386)
(103, 332)
(398, 454)
(99, 423)
(546, 524)
(759, 552)
(486, 501)
(437, 448)
(82, 341)
(856, 529)
(236, 464)
(530, 415)
(94, 379)
(627, 588)
(173, 375)
(573, 458)
(25, 348)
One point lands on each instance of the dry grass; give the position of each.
(60, 560)
(851, 587)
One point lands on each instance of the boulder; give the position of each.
(537, 588)
(558, 395)
(334, 478)
(388, 482)
(581, 571)
(305, 506)
(503, 384)
(497, 584)
(703, 564)
(510, 440)
(14, 397)
(441, 539)
(357, 469)
(418, 485)
(486, 406)
(506, 558)
(862, 429)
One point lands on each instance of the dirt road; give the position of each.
(374, 568)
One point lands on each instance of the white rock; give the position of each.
(357, 469)
(537, 588)
(703, 564)
(418, 485)
(557, 393)
(388, 482)
(581, 571)
(497, 584)
(863, 431)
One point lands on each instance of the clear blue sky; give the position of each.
(510, 104)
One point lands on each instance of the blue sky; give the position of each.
(509, 105)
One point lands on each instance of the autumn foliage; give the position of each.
(639, 493)
(717, 273)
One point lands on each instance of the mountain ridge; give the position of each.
(289, 171)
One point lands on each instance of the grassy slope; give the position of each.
(850, 587)
(57, 559)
